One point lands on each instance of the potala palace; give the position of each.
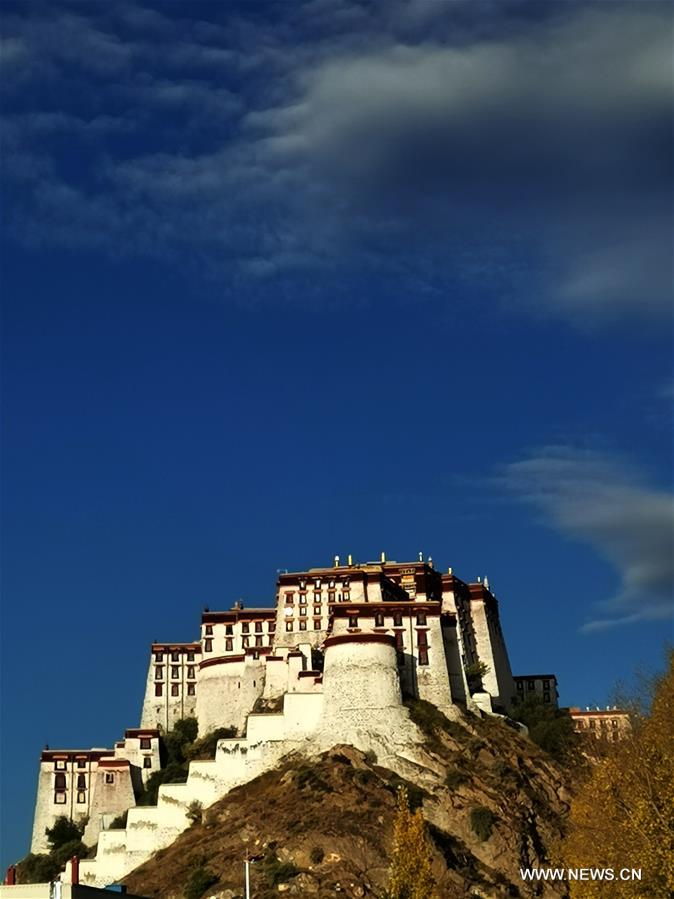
(331, 663)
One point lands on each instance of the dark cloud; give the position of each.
(406, 137)
(605, 503)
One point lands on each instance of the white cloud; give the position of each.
(605, 503)
(414, 139)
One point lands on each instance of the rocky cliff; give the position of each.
(493, 801)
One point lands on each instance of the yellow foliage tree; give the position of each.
(410, 875)
(623, 818)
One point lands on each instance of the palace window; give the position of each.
(546, 684)
(303, 611)
(289, 625)
(258, 641)
(520, 685)
(271, 627)
(229, 630)
(303, 598)
(245, 627)
(158, 672)
(81, 797)
(59, 781)
(303, 625)
(546, 697)
(331, 595)
(145, 743)
(60, 798)
(303, 584)
(397, 620)
(208, 630)
(399, 641)
(159, 656)
(81, 781)
(60, 765)
(421, 618)
(175, 656)
(317, 624)
(347, 595)
(379, 620)
(317, 583)
(245, 641)
(229, 644)
(109, 777)
(175, 672)
(317, 610)
(289, 599)
(190, 690)
(208, 645)
(614, 722)
(423, 656)
(147, 762)
(190, 672)
(81, 763)
(175, 690)
(530, 685)
(422, 639)
(158, 689)
(353, 620)
(258, 627)
(190, 656)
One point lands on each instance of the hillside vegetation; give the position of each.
(492, 801)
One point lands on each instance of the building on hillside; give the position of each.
(442, 635)
(171, 684)
(92, 785)
(610, 724)
(539, 686)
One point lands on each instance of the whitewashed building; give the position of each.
(332, 660)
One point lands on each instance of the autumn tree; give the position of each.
(410, 874)
(624, 815)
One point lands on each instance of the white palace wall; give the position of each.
(360, 703)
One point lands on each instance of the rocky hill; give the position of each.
(323, 827)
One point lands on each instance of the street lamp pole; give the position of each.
(246, 868)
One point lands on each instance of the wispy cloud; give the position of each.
(421, 140)
(604, 502)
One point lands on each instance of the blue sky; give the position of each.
(284, 281)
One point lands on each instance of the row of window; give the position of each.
(332, 584)
(245, 628)
(318, 597)
(62, 798)
(60, 791)
(303, 625)
(175, 672)
(601, 723)
(175, 656)
(175, 689)
(531, 685)
(379, 620)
